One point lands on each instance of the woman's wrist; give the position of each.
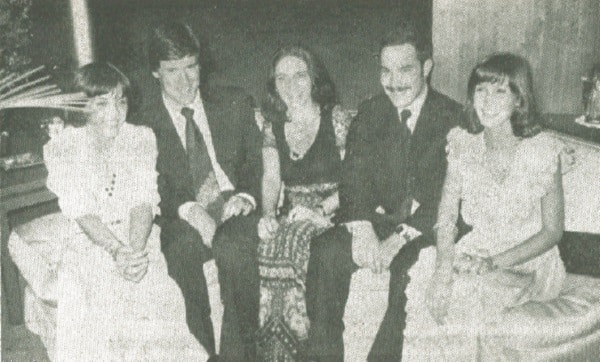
(269, 213)
(490, 263)
(112, 248)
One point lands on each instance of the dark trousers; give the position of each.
(185, 254)
(235, 249)
(330, 269)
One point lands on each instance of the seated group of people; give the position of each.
(192, 177)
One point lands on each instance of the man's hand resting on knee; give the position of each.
(200, 220)
(365, 244)
(368, 251)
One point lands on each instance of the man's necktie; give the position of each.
(404, 116)
(198, 158)
(408, 186)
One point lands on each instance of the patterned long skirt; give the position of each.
(283, 262)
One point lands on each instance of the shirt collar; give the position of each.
(174, 108)
(417, 104)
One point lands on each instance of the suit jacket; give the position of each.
(383, 171)
(236, 139)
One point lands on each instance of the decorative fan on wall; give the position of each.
(32, 89)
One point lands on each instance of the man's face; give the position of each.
(179, 79)
(402, 76)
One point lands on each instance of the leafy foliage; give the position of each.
(15, 34)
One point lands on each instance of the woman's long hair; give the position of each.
(322, 88)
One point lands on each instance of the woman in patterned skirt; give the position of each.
(304, 133)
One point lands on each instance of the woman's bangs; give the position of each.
(486, 74)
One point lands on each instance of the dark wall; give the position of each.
(244, 34)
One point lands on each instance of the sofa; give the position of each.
(574, 317)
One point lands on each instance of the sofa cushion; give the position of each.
(36, 248)
(575, 314)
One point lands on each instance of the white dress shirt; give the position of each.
(408, 232)
(179, 121)
(415, 109)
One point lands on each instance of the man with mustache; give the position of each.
(391, 185)
(209, 162)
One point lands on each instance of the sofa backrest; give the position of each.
(581, 184)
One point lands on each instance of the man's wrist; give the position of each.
(407, 232)
(247, 198)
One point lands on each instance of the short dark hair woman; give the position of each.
(115, 298)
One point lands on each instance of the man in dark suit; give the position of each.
(391, 186)
(209, 163)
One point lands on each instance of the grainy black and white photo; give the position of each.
(300, 180)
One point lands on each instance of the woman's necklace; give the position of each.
(498, 161)
(103, 154)
(301, 131)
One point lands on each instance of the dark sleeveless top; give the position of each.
(320, 164)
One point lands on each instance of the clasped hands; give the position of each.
(368, 251)
(473, 264)
(132, 265)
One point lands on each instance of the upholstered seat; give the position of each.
(36, 248)
(565, 328)
(569, 328)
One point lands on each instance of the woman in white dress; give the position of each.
(504, 178)
(116, 301)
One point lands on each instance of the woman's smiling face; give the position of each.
(293, 82)
(494, 103)
(108, 113)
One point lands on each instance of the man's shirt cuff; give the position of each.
(408, 232)
(247, 197)
(184, 209)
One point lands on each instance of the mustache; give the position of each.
(396, 89)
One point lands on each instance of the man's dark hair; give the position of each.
(176, 40)
(408, 33)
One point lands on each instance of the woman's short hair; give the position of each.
(322, 91)
(100, 78)
(498, 68)
(96, 79)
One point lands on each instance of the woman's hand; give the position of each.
(267, 227)
(438, 295)
(473, 264)
(300, 212)
(131, 265)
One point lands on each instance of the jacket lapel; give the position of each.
(425, 130)
(215, 118)
(170, 145)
